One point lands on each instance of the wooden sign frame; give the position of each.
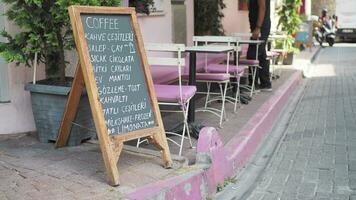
(110, 145)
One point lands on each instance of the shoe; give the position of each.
(266, 89)
(257, 88)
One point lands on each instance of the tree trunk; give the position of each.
(61, 59)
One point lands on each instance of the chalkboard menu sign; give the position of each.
(114, 70)
(118, 72)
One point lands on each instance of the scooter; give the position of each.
(326, 33)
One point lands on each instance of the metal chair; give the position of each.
(234, 69)
(169, 94)
(222, 79)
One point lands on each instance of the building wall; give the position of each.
(16, 116)
(190, 21)
(236, 21)
(318, 5)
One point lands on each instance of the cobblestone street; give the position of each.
(316, 158)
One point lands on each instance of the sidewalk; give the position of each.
(31, 170)
(315, 159)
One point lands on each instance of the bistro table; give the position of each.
(193, 50)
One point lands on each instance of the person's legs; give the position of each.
(264, 74)
(251, 55)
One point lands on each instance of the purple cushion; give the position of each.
(249, 62)
(209, 76)
(221, 68)
(163, 74)
(171, 93)
(200, 62)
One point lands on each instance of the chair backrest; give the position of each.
(280, 37)
(160, 57)
(244, 35)
(217, 40)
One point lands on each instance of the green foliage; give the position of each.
(227, 181)
(45, 29)
(289, 20)
(207, 17)
(142, 6)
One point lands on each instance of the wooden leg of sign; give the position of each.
(71, 108)
(110, 151)
(160, 141)
(117, 148)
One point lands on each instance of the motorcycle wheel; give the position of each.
(331, 42)
(319, 40)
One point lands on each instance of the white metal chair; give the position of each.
(275, 52)
(253, 64)
(222, 79)
(234, 69)
(169, 94)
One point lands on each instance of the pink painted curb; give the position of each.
(244, 145)
(215, 162)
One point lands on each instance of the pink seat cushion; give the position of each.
(248, 62)
(209, 76)
(221, 68)
(163, 74)
(171, 93)
(200, 61)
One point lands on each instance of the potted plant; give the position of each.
(289, 22)
(45, 31)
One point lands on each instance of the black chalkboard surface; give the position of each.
(118, 72)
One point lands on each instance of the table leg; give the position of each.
(193, 127)
(192, 81)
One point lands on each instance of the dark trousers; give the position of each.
(262, 73)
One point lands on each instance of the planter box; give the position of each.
(48, 104)
(288, 59)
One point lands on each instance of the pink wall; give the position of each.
(16, 116)
(190, 21)
(235, 20)
(149, 24)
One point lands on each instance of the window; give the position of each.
(159, 6)
(4, 81)
(146, 6)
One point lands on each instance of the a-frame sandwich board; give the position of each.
(113, 69)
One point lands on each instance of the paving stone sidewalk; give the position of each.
(316, 159)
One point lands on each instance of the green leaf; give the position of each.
(44, 29)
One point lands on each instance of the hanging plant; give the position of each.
(142, 6)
